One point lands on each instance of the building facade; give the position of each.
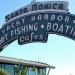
(15, 66)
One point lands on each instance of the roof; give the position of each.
(11, 60)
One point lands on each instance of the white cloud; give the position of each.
(63, 71)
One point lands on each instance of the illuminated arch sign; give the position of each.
(57, 6)
(35, 25)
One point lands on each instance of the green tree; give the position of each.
(43, 73)
(17, 70)
(21, 71)
(33, 69)
(3, 72)
(38, 70)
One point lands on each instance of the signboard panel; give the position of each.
(37, 25)
(37, 6)
(32, 37)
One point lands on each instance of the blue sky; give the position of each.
(58, 51)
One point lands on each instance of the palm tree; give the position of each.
(3, 72)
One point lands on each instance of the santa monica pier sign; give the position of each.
(35, 21)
